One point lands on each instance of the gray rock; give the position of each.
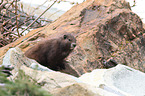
(47, 78)
(81, 89)
(15, 58)
(120, 80)
(39, 67)
(50, 80)
(126, 79)
(60, 84)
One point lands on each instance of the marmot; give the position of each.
(52, 52)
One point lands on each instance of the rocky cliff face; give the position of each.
(104, 29)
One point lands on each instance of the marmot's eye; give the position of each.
(65, 36)
(69, 39)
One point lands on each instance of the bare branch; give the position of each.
(12, 19)
(10, 5)
(39, 6)
(16, 18)
(39, 16)
(7, 29)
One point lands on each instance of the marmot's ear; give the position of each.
(65, 36)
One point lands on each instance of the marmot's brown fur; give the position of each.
(52, 52)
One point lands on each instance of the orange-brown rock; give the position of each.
(104, 29)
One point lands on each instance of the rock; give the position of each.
(120, 80)
(117, 81)
(15, 58)
(110, 63)
(60, 84)
(104, 29)
(50, 80)
(81, 89)
(74, 90)
(37, 66)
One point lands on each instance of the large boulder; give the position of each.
(49, 80)
(118, 81)
(81, 89)
(104, 29)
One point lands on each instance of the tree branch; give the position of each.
(39, 16)
(16, 18)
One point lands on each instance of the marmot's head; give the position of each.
(68, 41)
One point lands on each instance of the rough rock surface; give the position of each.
(81, 89)
(50, 80)
(118, 81)
(104, 29)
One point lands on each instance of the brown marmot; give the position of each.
(52, 52)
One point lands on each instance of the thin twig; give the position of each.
(16, 18)
(9, 20)
(39, 17)
(45, 20)
(53, 14)
(3, 40)
(39, 7)
(7, 30)
(10, 5)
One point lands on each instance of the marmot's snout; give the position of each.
(73, 45)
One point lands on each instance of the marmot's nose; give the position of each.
(73, 45)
